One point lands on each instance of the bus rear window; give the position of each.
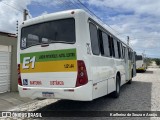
(57, 31)
(139, 57)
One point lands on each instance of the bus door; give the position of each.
(134, 64)
(127, 64)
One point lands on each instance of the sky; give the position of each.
(138, 19)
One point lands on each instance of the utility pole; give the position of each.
(144, 55)
(128, 40)
(25, 13)
(17, 28)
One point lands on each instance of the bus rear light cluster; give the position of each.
(19, 76)
(82, 77)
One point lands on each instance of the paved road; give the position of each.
(10, 100)
(141, 95)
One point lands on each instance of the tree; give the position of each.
(157, 60)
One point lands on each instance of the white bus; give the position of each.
(141, 63)
(70, 55)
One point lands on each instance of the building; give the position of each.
(8, 62)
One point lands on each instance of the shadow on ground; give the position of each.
(148, 72)
(145, 72)
(134, 97)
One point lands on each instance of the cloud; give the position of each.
(47, 3)
(138, 6)
(55, 3)
(44, 13)
(10, 12)
(135, 18)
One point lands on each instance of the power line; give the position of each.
(146, 37)
(118, 33)
(15, 8)
(147, 48)
(12, 3)
(66, 6)
(63, 1)
(12, 7)
(75, 3)
(97, 16)
(79, 4)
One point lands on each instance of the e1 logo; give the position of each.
(27, 60)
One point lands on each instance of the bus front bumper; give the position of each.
(81, 93)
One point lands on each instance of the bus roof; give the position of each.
(66, 14)
(56, 15)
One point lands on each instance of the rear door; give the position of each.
(134, 64)
(127, 64)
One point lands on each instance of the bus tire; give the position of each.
(116, 93)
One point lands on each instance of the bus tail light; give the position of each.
(82, 77)
(19, 76)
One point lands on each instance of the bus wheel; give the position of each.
(116, 93)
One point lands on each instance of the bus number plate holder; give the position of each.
(48, 94)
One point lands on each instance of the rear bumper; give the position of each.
(82, 93)
(139, 69)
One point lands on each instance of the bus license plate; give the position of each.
(47, 94)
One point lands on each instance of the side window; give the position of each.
(94, 39)
(116, 49)
(111, 46)
(124, 52)
(119, 49)
(132, 57)
(106, 44)
(129, 54)
(101, 42)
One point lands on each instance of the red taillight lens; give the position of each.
(82, 77)
(19, 75)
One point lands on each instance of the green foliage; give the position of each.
(148, 61)
(157, 60)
